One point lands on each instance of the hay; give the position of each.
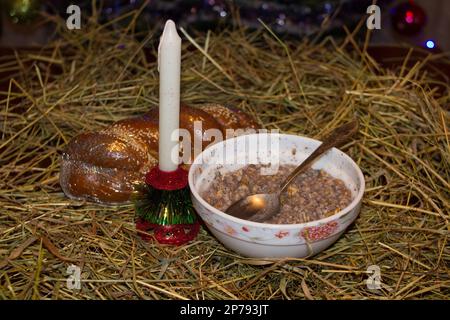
(89, 79)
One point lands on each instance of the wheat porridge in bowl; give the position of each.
(313, 195)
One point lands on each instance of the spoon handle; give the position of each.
(336, 138)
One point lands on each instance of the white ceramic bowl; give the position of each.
(263, 240)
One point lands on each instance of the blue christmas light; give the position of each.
(430, 44)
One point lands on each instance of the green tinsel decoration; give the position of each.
(164, 207)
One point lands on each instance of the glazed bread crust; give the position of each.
(106, 166)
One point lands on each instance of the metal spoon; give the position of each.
(262, 206)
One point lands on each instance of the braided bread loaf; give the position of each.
(105, 166)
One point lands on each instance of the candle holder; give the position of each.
(164, 206)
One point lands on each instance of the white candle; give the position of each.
(169, 65)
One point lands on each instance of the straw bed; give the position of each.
(89, 79)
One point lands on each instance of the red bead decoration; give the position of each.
(176, 234)
(167, 180)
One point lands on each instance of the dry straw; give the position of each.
(89, 79)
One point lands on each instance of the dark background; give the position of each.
(26, 22)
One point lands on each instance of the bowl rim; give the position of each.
(226, 216)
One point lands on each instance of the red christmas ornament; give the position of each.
(408, 18)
